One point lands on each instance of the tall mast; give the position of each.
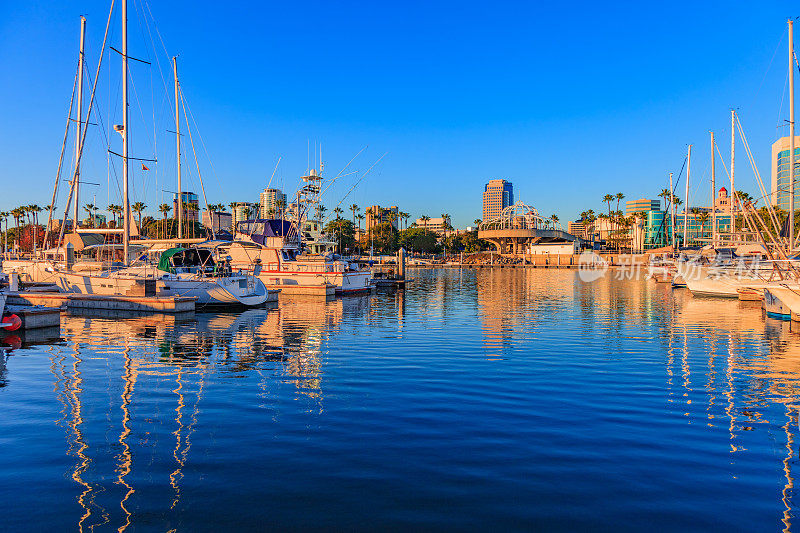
(791, 136)
(79, 122)
(686, 207)
(733, 166)
(126, 204)
(672, 212)
(178, 147)
(713, 194)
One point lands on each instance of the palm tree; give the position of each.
(354, 208)
(554, 218)
(425, 219)
(445, 219)
(89, 208)
(4, 218)
(371, 214)
(338, 210)
(165, 209)
(360, 217)
(477, 222)
(137, 208)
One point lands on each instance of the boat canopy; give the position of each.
(184, 258)
(261, 229)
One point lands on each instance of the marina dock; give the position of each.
(171, 304)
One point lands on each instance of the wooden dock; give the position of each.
(159, 304)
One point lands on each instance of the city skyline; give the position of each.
(514, 111)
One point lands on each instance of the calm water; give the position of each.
(493, 399)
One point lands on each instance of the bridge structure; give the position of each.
(520, 226)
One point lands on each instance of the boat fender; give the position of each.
(11, 322)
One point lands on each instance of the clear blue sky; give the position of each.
(569, 101)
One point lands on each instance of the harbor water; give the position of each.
(502, 399)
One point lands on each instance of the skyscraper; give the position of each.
(780, 173)
(268, 206)
(497, 195)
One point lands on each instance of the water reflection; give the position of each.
(138, 395)
(286, 343)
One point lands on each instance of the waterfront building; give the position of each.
(658, 228)
(577, 228)
(243, 211)
(99, 221)
(436, 225)
(270, 202)
(779, 194)
(378, 215)
(497, 195)
(217, 220)
(722, 202)
(193, 211)
(641, 205)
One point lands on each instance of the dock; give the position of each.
(160, 304)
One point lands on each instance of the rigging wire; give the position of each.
(191, 140)
(61, 156)
(88, 115)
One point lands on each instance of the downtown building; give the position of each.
(191, 202)
(377, 215)
(779, 194)
(497, 195)
(270, 204)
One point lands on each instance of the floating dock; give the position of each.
(171, 304)
(35, 317)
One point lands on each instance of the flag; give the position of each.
(144, 167)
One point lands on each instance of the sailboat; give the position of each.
(196, 276)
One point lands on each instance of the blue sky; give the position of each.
(567, 101)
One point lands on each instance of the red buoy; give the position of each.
(11, 322)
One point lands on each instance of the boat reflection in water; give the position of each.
(156, 373)
(208, 419)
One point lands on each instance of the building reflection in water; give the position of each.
(725, 366)
(721, 357)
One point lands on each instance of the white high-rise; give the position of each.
(268, 205)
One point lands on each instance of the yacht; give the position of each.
(271, 250)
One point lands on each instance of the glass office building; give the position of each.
(659, 228)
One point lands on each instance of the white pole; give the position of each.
(126, 204)
(178, 148)
(791, 136)
(672, 211)
(713, 194)
(733, 166)
(79, 122)
(686, 207)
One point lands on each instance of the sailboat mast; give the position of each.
(791, 135)
(686, 207)
(672, 212)
(733, 166)
(79, 122)
(713, 194)
(178, 147)
(126, 204)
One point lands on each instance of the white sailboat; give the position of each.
(196, 276)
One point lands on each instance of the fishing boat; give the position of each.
(271, 250)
